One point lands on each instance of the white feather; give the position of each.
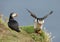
(40, 22)
(14, 14)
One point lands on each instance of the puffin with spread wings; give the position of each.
(38, 22)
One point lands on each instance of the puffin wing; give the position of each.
(47, 15)
(32, 14)
(13, 25)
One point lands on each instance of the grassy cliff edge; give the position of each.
(26, 35)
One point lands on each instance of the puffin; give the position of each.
(13, 24)
(38, 22)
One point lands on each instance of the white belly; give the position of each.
(38, 24)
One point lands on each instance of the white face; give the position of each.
(14, 15)
(41, 22)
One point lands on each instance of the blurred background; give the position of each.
(39, 7)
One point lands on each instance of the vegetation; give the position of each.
(26, 35)
(43, 37)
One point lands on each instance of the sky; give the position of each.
(40, 8)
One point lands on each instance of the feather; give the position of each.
(32, 14)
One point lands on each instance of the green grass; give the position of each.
(27, 34)
(37, 37)
(28, 29)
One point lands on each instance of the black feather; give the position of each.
(46, 15)
(32, 14)
(13, 24)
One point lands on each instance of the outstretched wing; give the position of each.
(32, 14)
(47, 15)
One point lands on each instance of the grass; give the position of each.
(28, 29)
(27, 34)
(37, 37)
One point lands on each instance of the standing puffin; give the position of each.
(38, 22)
(13, 24)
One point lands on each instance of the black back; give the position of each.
(13, 24)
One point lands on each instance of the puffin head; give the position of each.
(13, 14)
